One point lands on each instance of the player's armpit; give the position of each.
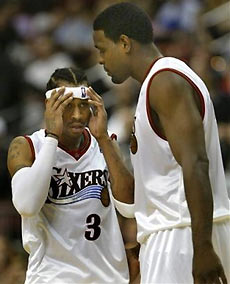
(19, 155)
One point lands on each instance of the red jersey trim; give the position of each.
(150, 67)
(148, 109)
(77, 154)
(31, 146)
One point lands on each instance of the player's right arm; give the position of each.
(31, 179)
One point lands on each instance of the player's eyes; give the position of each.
(69, 106)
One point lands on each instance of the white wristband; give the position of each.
(125, 209)
(30, 185)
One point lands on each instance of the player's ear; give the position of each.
(126, 43)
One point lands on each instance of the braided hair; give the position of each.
(70, 75)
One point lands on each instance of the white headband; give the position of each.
(78, 92)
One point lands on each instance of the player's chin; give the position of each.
(117, 80)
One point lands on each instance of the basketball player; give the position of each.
(61, 190)
(181, 202)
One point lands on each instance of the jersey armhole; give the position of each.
(148, 108)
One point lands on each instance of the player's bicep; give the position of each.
(19, 155)
(184, 131)
(181, 120)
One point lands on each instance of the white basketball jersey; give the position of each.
(75, 238)
(159, 189)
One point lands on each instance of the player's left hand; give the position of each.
(207, 267)
(98, 119)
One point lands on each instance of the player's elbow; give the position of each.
(198, 167)
(199, 162)
(24, 209)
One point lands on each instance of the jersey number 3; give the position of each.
(93, 230)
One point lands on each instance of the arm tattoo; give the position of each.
(14, 155)
(14, 149)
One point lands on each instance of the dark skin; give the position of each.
(176, 111)
(131, 246)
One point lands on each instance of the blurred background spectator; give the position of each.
(38, 36)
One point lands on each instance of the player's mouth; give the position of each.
(77, 127)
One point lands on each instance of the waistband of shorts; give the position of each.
(183, 225)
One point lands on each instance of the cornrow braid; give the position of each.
(70, 75)
(74, 76)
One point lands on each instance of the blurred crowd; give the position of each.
(38, 36)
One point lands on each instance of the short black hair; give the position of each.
(125, 18)
(70, 75)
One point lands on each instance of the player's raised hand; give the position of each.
(55, 106)
(207, 267)
(98, 119)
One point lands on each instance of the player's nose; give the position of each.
(76, 113)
